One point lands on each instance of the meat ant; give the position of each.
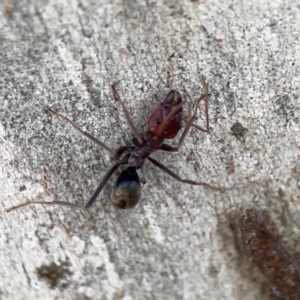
(164, 123)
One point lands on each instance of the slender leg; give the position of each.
(122, 149)
(172, 174)
(45, 203)
(102, 184)
(92, 138)
(168, 148)
(206, 116)
(72, 205)
(128, 118)
(206, 111)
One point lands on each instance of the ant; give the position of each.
(164, 123)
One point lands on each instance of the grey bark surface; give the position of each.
(177, 243)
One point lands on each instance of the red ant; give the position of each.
(164, 123)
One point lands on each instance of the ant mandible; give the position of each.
(164, 123)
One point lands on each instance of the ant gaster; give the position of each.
(164, 123)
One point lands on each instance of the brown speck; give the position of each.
(89, 225)
(230, 168)
(238, 130)
(86, 80)
(219, 41)
(55, 275)
(9, 8)
(281, 192)
(295, 172)
(127, 51)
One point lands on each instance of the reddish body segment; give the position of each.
(166, 121)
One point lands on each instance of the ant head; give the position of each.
(165, 121)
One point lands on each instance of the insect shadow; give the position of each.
(164, 123)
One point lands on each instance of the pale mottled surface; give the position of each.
(177, 243)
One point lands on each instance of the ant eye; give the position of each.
(158, 121)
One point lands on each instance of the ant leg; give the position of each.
(128, 118)
(172, 174)
(190, 122)
(206, 112)
(122, 149)
(72, 205)
(102, 184)
(92, 138)
(168, 148)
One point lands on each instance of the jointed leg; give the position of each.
(206, 111)
(72, 205)
(128, 118)
(122, 149)
(206, 114)
(172, 174)
(92, 138)
(101, 185)
(168, 148)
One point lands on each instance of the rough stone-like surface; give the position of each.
(264, 247)
(177, 243)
